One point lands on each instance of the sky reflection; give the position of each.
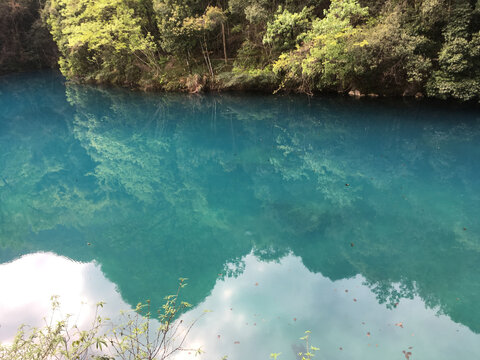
(260, 310)
(267, 308)
(28, 284)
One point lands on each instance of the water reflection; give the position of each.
(262, 309)
(29, 283)
(153, 187)
(267, 308)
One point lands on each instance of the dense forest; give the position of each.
(390, 47)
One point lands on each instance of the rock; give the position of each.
(373, 95)
(418, 95)
(355, 93)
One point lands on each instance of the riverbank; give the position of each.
(357, 47)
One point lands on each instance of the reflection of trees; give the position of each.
(164, 186)
(147, 160)
(41, 186)
(399, 212)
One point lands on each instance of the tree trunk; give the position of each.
(224, 43)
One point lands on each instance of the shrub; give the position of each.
(137, 336)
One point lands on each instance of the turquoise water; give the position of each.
(355, 219)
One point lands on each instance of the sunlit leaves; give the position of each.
(103, 40)
(323, 61)
(288, 29)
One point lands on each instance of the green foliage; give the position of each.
(56, 339)
(254, 11)
(325, 60)
(184, 28)
(309, 352)
(136, 337)
(25, 42)
(250, 55)
(287, 29)
(101, 40)
(386, 47)
(242, 79)
(200, 26)
(309, 349)
(394, 57)
(427, 46)
(170, 14)
(458, 75)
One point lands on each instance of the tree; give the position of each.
(24, 40)
(103, 40)
(324, 60)
(287, 29)
(458, 73)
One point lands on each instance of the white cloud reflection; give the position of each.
(263, 310)
(269, 306)
(29, 282)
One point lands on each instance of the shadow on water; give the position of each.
(157, 186)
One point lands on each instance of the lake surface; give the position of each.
(358, 220)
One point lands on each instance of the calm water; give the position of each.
(357, 220)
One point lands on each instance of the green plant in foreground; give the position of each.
(309, 349)
(136, 337)
(56, 339)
